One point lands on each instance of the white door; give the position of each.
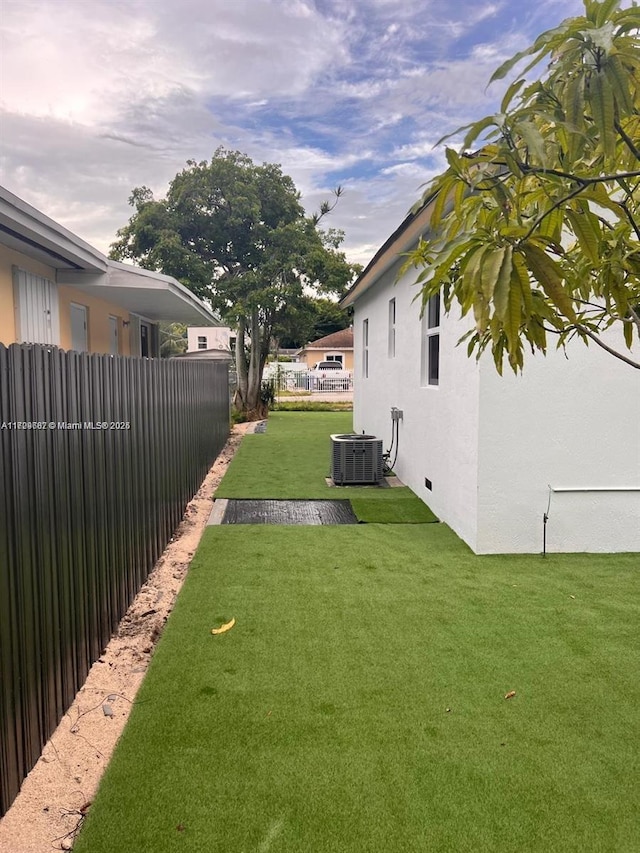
(78, 327)
(36, 300)
(114, 349)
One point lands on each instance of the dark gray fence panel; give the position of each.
(85, 513)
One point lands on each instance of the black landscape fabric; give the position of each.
(289, 512)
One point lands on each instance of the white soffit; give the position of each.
(158, 297)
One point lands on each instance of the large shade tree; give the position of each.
(310, 318)
(535, 224)
(237, 235)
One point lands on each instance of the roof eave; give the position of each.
(321, 349)
(30, 232)
(407, 234)
(158, 297)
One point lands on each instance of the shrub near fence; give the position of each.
(99, 456)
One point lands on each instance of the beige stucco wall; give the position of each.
(311, 357)
(8, 259)
(98, 311)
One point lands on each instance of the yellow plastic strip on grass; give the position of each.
(226, 627)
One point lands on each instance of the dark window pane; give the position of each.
(434, 359)
(433, 317)
(365, 348)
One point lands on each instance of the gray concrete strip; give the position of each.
(218, 511)
(393, 482)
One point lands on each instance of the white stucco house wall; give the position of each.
(200, 338)
(491, 455)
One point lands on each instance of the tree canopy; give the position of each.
(237, 235)
(535, 224)
(310, 318)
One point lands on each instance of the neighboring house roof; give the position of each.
(337, 340)
(196, 329)
(220, 354)
(406, 235)
(158, 297)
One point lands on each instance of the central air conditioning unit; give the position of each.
(356, 460)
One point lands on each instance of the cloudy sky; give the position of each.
(100, 96)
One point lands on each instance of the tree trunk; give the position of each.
(253, 395)
(241, 366)
(248, 396)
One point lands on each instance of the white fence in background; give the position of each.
(292, 377)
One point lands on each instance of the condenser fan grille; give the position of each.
(356, 460)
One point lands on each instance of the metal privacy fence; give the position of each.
(99, 456)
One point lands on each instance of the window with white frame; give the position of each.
(365, 348)
(334, 356)
(392, 328)
(430, 362)
(202, 341)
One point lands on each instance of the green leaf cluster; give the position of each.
(535, 224)
(173, 339)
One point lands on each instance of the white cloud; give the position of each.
(412, 169)
(61, 63)
(86, 62)
(99, 97)
(422, 146)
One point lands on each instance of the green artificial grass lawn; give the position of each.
(358, 704)
(292, 460)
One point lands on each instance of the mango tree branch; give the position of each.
(630, 217)
(553, 207)
(595, 339)
(635, 318)
(628, 141)
(583, 330)
(581, 179)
